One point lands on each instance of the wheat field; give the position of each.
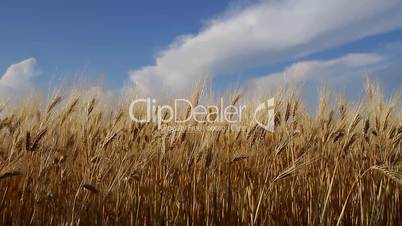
(73, 160)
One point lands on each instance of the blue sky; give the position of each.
(156, 45)
(99, 37)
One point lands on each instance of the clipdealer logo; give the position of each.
(269, 106)
(263, 114)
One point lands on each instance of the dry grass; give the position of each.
(73, 161)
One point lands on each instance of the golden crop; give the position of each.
(75, 160)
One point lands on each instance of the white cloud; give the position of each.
(345, 75)
(18, 78)
(265, 33)
(345, 67)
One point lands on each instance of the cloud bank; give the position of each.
(265, 33)
(17, 79)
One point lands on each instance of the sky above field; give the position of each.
(167, 46)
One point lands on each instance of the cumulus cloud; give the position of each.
(265, 33)
(18, 78)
